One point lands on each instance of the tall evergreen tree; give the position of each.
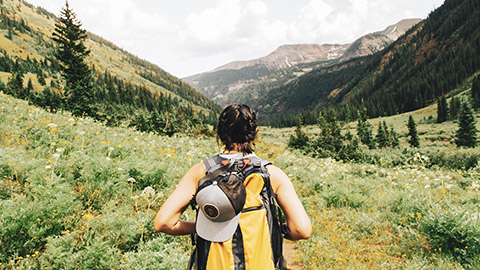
(381, 137)
(15, 86)
(387, 133)
(442, 111)
(454, 107)
(71, 53)
(393, 138)
(364, 128)
(29, 88)
(467, 132)
(412, 132)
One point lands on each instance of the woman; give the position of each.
(237, 130)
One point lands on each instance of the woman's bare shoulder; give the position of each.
(277, 177)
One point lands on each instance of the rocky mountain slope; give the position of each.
(377, 41)
(227, 83)
(287, 56)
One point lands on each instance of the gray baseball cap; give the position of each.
(220, 206)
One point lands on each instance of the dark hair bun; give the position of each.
(237, 124)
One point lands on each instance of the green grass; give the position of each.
(68, 199)
(75, 194)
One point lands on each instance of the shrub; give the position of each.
(406, 209)
(298, 141)
(26, 222)
(64, 252)
(163, 253)
(461, 159)
(455, 232)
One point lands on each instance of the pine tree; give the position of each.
(381, 137)
(41, 77)
(300, 139)
(15, 86)
(71, 53)
(476, 92)
(454, 108)
(467, 132)
(387, 133)
(29, 88)
(364, 128)
(442, 111)
(412, 132)
(394, 141)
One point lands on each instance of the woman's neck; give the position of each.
(233, 151)
(236, 149)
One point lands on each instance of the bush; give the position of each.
(299, 140)
(406, 209)
(64, 252)
(163, 253)
(455, 232)
(26, 222)
(461, 159)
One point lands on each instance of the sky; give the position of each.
(190, 37)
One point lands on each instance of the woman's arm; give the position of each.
(167, 219)
(298, 223)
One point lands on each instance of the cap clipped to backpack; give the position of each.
(220, 204)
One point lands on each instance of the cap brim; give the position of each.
(216, 231)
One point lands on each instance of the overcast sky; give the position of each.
(190, 37)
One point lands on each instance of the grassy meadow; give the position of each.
(75, 194)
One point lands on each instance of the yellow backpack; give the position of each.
(258, 238)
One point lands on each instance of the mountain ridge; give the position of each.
(224, 83)
(288, 55)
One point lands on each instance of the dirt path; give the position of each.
(290, 253)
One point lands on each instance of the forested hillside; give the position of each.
(430, 60)
(126, 89)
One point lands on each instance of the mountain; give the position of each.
(128, 89)
(290, 55)
(430, 60)
(228, 82)
(377, 41)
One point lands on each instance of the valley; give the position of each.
(81, 192)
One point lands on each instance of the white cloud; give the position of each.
(186, 38)
(311, 23)
(212, 26)
(231, 28)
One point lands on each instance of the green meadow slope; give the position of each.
(75, 194)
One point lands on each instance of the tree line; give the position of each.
(330, 142)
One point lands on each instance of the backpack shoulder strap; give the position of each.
(213, 163)
(259, 163)
(274, 215)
